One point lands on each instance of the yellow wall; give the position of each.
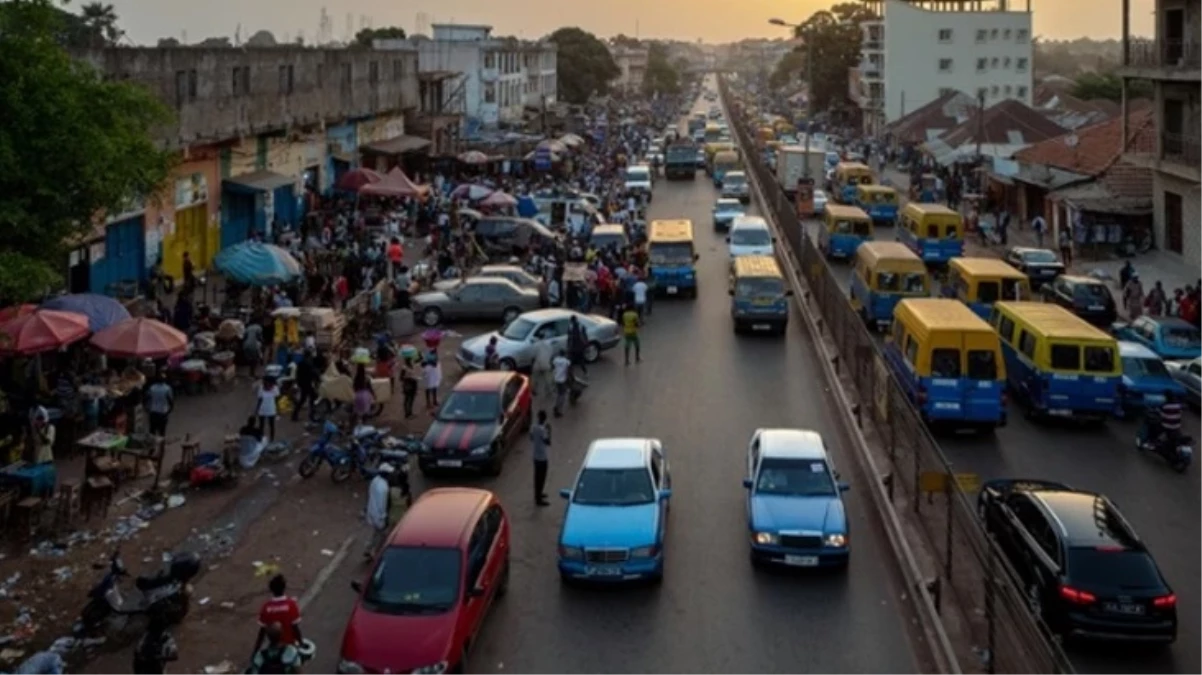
(285, 156)
(194, 190)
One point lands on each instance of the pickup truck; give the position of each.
(680, 163)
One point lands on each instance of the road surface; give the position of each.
(702, 390)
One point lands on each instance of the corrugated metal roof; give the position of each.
(1003, 124)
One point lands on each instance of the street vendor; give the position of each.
(42, 436)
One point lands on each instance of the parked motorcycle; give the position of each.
(112, 614)
(1178, 452)
(323, 451)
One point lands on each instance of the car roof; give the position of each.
(548, 314)
(1083, 518)
(1171, 321)
(617, 453)
(791, 444)
(487, 380)
(729, 201)
(1135, 350)
(1030, 249)
(1079, 279)
(441, 518)
(487, 281)
(500, 268)
(755, 222)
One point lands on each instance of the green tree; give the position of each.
(661, 76)
(72, 147)
(1109, 86)
(584, 65)
(365, 37)
(787, 70)
(834, 42)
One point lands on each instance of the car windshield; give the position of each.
(729, 207)
(1091, 292)
(1136, 367)
(795, 477)
(414, 580)
(750, 237)
(733, 180)
(637, 175)
(753, 288)
(614, 487)
(470, 406)
(1109, 568)
(1182, 336)
(518, 329)
(676, 253)
(1039, 256)
(604, 240)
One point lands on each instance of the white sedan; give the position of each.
(515, 342)
(819, 202)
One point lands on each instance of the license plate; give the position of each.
(1057, 412)
(608, 571)
(450, 463)
(1128, 608)
(672, 290)
(761, 326)
(801, 560)
(1096, 308)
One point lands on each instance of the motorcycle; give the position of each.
(323, 451)
(109, 613)
(1178, 452)
(370, 447)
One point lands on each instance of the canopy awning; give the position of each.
(259, 181)
(398, 145)
(1097, 198)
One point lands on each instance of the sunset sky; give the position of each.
(147, 20)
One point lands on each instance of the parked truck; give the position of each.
(680, 161)
(793, 162)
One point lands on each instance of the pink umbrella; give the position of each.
(354, 179)
(471, 191)
(499, 199)
(140, 339)
(42, 331)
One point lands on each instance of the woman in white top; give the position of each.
(266, 408)
(432, 374)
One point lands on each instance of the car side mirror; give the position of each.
(747, 483)
(356, 587)
(665, 495)
(844, 487)
(565, 493)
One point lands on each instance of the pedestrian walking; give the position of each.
(376, 512)
(640, 298)
(432, 374)
(1039, 226)
(266, 407)
(160, 401)
(630, 331)
(1066, 247)
(409, 380)
(540, 443)
(544, 353)
(306, 384)
(561, 367)
(156, 648)
(252, 347)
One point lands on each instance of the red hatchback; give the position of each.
(425, 601)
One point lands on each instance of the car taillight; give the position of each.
(1165, 601)
(1077, 597)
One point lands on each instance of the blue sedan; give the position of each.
(614, 524)
(725, 211)
(1171, 338)
(795, 512)
(1145, 380)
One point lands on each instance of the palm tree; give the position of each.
(101, 21)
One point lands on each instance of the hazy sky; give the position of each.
(147, 20)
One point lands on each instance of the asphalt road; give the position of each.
(1161, 504)
(702, 391)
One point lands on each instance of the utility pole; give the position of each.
(809, 99)
(980, 133)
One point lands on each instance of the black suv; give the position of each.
(1086, 297)
(1039, 264)
(1082, 567)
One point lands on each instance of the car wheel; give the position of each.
(461, 667)
(431, 316)
(508, 364)
(592, 352)
(510, 314)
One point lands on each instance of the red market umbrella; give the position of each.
(140, 339)
(9, 313)
(355, 179)
(42, 331)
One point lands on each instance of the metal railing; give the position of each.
(973, 573)
(1180, 148)
(1173, 54)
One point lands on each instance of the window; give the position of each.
(510, 393)
(993, 90)
(373, 72)
(240, 80)
(185, 86)
(398, 70)
(656, 473)
(993, 33)
(1099, 360)
(1007, 90)
(1006, 329)
(1021, 65)
(982, 364)
(911, 350)
(286, 81)
(1022, 36)
(490, 60)
(982, 64)
(981, 35)
(945, 34)
(945, 363)
(490, 92)
(945, 65)
(1026, 344)
(987, 292)
(1006, 63)
(1066, 357)
(477, 552)
(1006, 34)
(995, 62)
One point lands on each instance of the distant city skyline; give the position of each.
(146, 21)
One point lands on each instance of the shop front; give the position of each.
(257, 204)
(188, 229)
(342, 153)
(118, 258)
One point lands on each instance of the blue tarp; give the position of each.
(257, 264)
(101, 310)
(526, 207)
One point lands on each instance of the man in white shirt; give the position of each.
(544, 354)
(561, 368)
(640, 298)
(377, 509)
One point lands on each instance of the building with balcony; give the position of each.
(500, 76)
(915, 51)
(1171, 62)
(260, 130)
(632, 66)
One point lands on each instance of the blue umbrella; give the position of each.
(257, 264)
(101, 310)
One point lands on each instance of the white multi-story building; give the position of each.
(499, 77)
(632, 66)
(917, 50)
(1173, 62)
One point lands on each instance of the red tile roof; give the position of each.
(941, 114)
(996, 123)
(1090, 150)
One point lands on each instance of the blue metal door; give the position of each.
(285, 203)
(237, 217)
(123, 266)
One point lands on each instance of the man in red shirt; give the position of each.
(282, 610)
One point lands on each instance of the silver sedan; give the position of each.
(1189, 374)
(477, 298)
(514, 273)
(516, 341)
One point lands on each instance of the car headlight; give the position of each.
(480, 451)
(644, 551)
(571, 552)
(765, 538)
(432, 669)
(836, 540)
(349, 667)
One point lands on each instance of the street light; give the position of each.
(802, 31)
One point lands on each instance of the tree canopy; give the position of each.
(661, 75)
(365, 37)
(787, 70)
(1109, 86)
(834, 42)
(72, 147)
(584, 65)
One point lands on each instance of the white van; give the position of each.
(749, 235)
(638, 179)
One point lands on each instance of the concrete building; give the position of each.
(258, 129)
(1171, 62)
(499, 78)
(918, 50)
(632, 66)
